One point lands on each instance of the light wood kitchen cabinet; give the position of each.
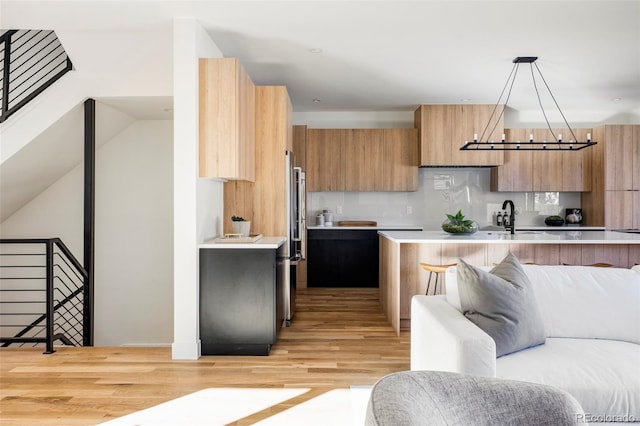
(326, 159)
(538, 171)
(263, 202)
(614, 200)
(364, 155)
(443, 129)
(227, 120)
(516, 174)
(576, 169)
(567, 171)
(635, 217)
(274, 136)
(621, 162)
(547, 165)
(362, 160)
(300, 146)
(237, 201)
(621, 210)
(400, 160)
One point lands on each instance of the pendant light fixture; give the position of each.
(502, 145)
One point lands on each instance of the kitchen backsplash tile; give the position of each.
(441, 191)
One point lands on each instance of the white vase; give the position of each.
(241, 227)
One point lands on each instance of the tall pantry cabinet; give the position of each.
(614, 200)
(264, 201)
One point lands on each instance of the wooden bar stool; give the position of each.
(437, 270)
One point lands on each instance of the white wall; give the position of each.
(134, 221)
(134, 237)
(197, 202)
(55, 212)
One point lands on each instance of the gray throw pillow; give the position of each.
(501, 302)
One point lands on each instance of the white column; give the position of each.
(191, 224)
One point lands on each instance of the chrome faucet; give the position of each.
(512, 216)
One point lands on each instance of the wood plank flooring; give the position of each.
(339, 337)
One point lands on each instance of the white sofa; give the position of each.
(592, 350)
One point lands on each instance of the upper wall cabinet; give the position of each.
(538, 171)
(227, 120)
(362, 160)
(326, 162)
(443, 129)
(400, 160)
(364, 152)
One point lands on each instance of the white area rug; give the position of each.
(336, 407)
(220, 406)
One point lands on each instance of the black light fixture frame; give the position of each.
(531, 145)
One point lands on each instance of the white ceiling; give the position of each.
(394, 55)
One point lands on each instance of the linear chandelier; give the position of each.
(502, 145)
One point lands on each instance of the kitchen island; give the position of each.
(401, 276)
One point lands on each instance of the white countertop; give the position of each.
(370, 228)
(560, 228)
(520, 237)
(263, 243)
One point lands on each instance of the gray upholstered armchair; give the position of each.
(443, 398)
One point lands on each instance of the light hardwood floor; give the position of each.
(339, 338)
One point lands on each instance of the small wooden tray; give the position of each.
(238, 238)
(357, 223)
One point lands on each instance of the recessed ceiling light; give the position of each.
(465, 100)
(315, 50)
(316, 101)
(616, 99)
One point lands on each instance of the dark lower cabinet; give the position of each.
(241, 300)
(342, 258)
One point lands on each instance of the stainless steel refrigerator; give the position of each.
(297, 231)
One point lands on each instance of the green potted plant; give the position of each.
(458, 224)
(554, 220)
(240, 225)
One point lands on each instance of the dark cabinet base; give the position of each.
(341, 258)
(241, 300)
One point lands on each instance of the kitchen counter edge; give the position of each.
(370, 228)
(492, 237)
(262, 243)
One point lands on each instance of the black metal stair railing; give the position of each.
(32, 60)
(44, 294)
